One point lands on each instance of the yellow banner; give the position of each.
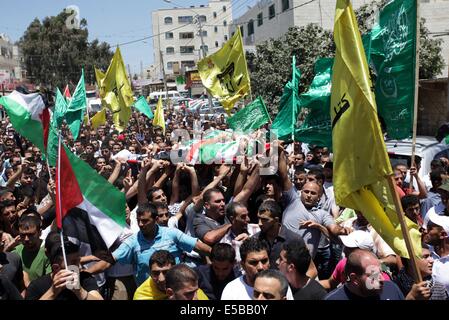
(115, 91)
(158, 119)
(361, 163)
(225, 73)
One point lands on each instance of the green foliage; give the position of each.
(271, 65)
(54, 54)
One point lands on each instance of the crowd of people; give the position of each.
(217, 231)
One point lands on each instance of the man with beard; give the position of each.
(215, 276)
(254, 254)
(212, 226)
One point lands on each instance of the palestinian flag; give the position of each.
(29, 116)
(78, 185)
(216, 147)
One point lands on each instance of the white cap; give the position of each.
(442, 221)
(358, 239)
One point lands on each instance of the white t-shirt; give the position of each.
(237, 289)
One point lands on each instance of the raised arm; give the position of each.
(198, 200)
(241, 178)
(175, 184)
(283, 168)
(250, 185)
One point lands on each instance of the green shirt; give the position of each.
(35, 263)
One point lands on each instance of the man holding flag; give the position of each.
(361, 166)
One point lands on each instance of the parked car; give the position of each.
(427, 149)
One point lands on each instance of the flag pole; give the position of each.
(293, 96)
(404, 229)
(58, 198)
(415, 104)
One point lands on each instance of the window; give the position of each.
(202, 19)
(241, 30)
(215, 29)
(250, 27)
(188, 63)
(271, 12)
(187, 49)
(169, 65)
(168, 20)
(224, 8)
(225, 23)
(170, 50)
(226, 37)
(169, 35)
(285, 5)
(204, 33)
(215, 14)
(185, 19)
(206, 48)
(216, 44)
(186, 35)
(260, 19)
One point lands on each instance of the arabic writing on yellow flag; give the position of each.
(225, 73)
(115, 91)
(361, 163)
(158, 119)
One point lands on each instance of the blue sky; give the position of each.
(111, 21)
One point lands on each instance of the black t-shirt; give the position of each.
(275, 248)
(390, 292)
(7, 290)
(38, 287)
(209, 283)
(311, 291)
(12, 268)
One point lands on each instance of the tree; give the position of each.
(54, 54)
(270, 65)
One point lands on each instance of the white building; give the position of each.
(272, 19)
(10, 68)
(177, 34)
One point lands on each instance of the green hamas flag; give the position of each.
(289, 107)
(75, 111)
(316, 128)
(251, 117)
(142, 105)
(393, 55)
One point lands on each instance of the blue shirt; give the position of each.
(137, 250)
(390, 291)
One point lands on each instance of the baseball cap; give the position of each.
(442, 221)
(358, 239)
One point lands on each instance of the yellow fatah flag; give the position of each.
(158, 119)
(225, 73)
(98, 119)
(115, 91)
(361, 163)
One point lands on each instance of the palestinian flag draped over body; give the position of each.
(29, 116)
(216, 147)
(78, 185)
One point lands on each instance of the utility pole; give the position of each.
(165, 81)
(197, 21)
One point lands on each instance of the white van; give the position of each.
(427, 149)
(172, 95)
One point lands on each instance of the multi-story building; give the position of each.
(10, 64)
(177, 42)
(272, 19)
